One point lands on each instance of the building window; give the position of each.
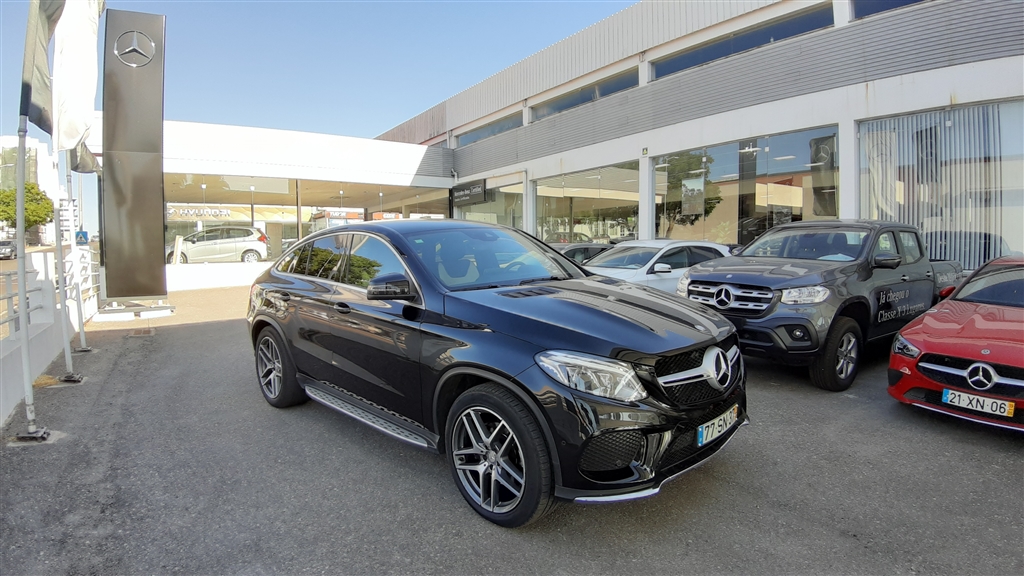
(956, 174)
(503, 125)
(862, 8)
(732, 193)
(598, 205)
(503, 206)
(742, 41)
(605, 87)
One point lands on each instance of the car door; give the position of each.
(888, 288)
(310, 292)
(204, 248)
(678, 258)
(376, 349)
(919, 276)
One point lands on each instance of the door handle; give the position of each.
(342, 308)
(904, 278)
(928, 274)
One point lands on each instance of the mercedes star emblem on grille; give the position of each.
(134, 49)
(723, 297)
(723, 371)
(981, 376)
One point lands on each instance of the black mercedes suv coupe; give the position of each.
(537, 380)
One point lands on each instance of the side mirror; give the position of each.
(888, 261)
(661, 269)
(192, 240)
(393, 286)
(945, 292)
(737, 250)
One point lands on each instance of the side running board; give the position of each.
(387, 423)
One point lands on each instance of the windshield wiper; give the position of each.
(548, 279)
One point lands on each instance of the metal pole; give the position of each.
(23, 307)
(70, 376)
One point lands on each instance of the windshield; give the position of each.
(1000, 285)
(6, 243)
(627, 257)
(842, 245)
(472, 258)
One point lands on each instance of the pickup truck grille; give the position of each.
(735, 298)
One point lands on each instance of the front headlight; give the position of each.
(903, 347)
(593, 374)
(684, 283)
(805, 295)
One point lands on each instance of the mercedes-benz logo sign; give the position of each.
(723, 297)
(134, 49)
(822, 153)
(981, 376)
(717, 367)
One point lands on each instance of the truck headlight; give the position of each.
(592, 374)
(903, 347)
(805, 295)
(684, 283)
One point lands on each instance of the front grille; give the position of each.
(611, 451)
(679, 362)
(960, 381)
(934, 397)
(691, 393)
(742, 299)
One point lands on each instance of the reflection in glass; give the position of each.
(504, 206)
(598, 205)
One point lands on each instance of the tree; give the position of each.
(38, 206)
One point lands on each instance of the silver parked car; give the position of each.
(654, 263)
(223, 244)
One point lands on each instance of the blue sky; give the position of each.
(351, 68)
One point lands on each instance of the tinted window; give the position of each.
(285, 264)
(862, 8)
(327, 252)
(586, 94)
(302, 260)
(370, 258)
(676, 258)
(911, 247)
(700, 254)
(1001, 285)
(624, 257)
(886, 245)
(503, 125)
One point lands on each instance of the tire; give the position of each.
(181, 258)
(836, 368)
(493, 441)
(275, 371)
(250, 256)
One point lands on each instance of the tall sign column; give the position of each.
(132, 197)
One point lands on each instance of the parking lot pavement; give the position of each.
(170, 461)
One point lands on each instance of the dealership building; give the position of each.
(696, 120)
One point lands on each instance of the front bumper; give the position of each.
(612, 451)
(908, 385)
(791, 334)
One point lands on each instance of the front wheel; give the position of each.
(275, 371)
(250, 256)
(837, 365)
(498, 456)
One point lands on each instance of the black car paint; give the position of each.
(424, 351)
(854, 290)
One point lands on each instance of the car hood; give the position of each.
(595, 315)
(964, 329)
(620, 273)
(770, 272)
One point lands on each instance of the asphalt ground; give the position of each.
(168, 461)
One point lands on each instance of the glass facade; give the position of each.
(597, 205)
(957, 174)
(581, 96)
(504, 206)
(505, 124)
(862, 8)
(731, 193)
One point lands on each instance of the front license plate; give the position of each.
(715, 428)
(978, 403)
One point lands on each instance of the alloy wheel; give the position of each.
(488, 459)
(846, 356)
(268, 366)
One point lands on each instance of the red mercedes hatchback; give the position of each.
(965, 356)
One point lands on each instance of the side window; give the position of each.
(209, 235)
(285, 265)
(911, 247)
(325, 255)
(886, 245)
(236, 233)
(700, 254)
(302, 260)
(676, 258)
(370, 257)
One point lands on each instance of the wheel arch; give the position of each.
(858, 310)
(261, 322)
(459, 379)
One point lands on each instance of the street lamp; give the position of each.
(252, 205)
(381, 194)
(341, 198)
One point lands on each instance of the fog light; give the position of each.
(799, 334)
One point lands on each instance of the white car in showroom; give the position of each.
(654, 263)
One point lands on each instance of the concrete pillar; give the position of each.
(274, 231)
(529, 204)
(850, 202)
(842, 12)
(526, 114)
(645, 70)
(645, 218)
